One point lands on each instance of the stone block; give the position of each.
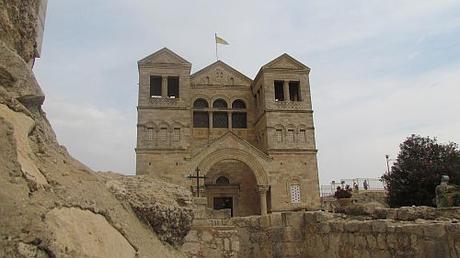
(434, 230)
(379, 226)
(207, 236)
(371, 241)
(352, 226)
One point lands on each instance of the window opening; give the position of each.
(163, 134)
(173, 87)
(220, 120)
(238, 104)
(239, 120)
(200, 119)
(294, 91)
(295, 193)
(222, 180)
(150, 134)
(220, 103)
(303, 135)
(176, 135)
(290, 135)
(279, 135)
(279, 92)
(155, 86)
(200, 103)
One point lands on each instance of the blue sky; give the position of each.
(381, 70)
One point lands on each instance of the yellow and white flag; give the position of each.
(220, 40)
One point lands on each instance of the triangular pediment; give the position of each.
(164, 56)
(219, 73)
(285, 61)
(231, 141)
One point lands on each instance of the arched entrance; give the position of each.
(231, 184)
(235, 180)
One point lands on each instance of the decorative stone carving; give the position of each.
(219, 74)
(164, 102)
(291, 105)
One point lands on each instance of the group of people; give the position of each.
(365, 185)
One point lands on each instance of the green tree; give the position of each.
(417, 171)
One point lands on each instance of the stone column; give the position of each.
(210, 120)
(262, 189)
(164, 86)
(286, 90)
(229, 117)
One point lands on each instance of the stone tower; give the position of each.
(253, 139)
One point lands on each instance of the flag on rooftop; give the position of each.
(220, 40)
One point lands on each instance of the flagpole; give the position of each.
(215, 40)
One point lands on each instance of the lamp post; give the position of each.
(387, 157)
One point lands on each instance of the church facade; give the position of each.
(252, 139)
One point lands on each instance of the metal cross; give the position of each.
(197, 177)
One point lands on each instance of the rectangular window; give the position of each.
(155, 86)
(290, 135)
(150, 134)
(164, 134)
(303, 136)
(294, 91)
(200, 119)
(176, 135)
(295, 193)
(279, 135)
(239, 120)
(173, 87)
(279, 92)
(219, 120)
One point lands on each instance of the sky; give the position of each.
(380, 70)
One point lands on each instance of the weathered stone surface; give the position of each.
(165, 207)
(17, 78)
(51, 205)
(81, 233)
(22, 126)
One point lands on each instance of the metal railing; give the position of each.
(357, 184)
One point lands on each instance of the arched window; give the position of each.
(239, 115)
(238, 104)
(200, 103)
(200, 118)
(220, 103)
(222, 181)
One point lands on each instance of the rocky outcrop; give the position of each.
(51, 205)
(81, 233)
(19, 19)
(165, 207)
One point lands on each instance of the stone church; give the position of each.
(252, 139)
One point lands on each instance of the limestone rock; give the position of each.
(17, 78)
(22, 126)
(81, 233)
(165, 207)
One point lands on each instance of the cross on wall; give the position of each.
(197, 177)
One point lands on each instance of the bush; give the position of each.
(343, 192)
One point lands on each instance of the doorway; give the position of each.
(223, 203)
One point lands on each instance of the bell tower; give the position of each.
(284, 126)
(163, 112)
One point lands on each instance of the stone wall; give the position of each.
(405, 232)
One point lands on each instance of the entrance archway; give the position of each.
(252, 166)
(231, 184)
